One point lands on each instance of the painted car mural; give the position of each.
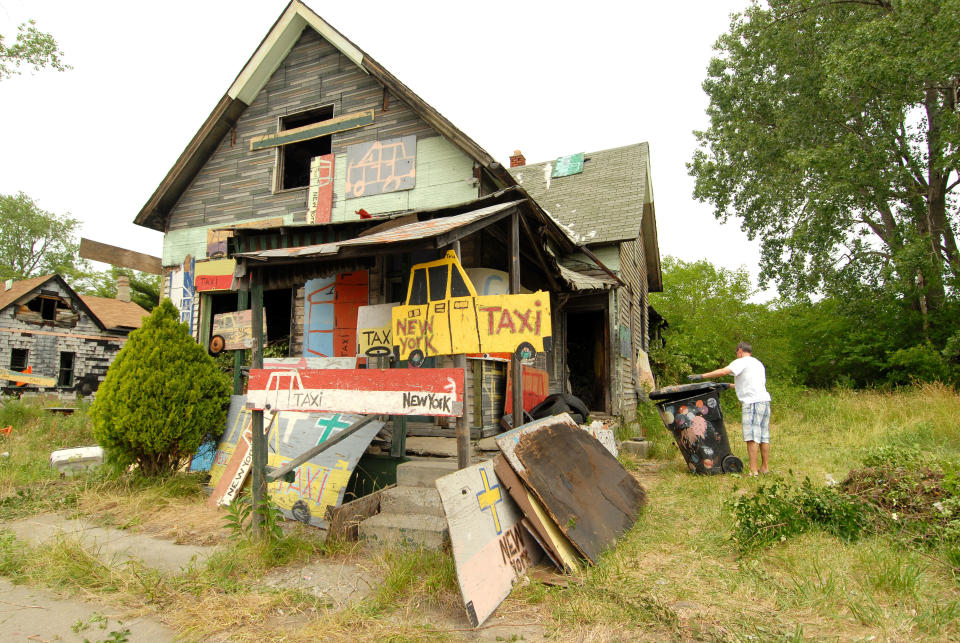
(443, 315)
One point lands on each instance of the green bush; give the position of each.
(162, 396)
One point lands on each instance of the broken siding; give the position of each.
(91, 356)
(237, 184)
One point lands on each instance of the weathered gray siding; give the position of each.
(237, 184)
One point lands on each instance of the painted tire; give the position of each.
(416, 359)
(217, 344)
(525, 351)
(731, 464)
(379, 351)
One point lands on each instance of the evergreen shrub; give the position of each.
(162, 396)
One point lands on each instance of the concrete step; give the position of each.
(424, 473)
(411, 500)
(406, 529)
(637, 446)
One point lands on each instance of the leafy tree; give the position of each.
(162, 396)
(709, 312)
(144, 288)
(834, 134)
(36, 242)
(32, 47)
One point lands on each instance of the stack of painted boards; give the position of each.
(555, 491)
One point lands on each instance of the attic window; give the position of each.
(48, 309)
(294, 158)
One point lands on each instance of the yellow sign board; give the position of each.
(36, 380)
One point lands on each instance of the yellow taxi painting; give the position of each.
(443, 315)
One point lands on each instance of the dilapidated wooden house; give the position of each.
(60, 336)
(328, 176)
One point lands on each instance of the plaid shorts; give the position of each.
(756, 422)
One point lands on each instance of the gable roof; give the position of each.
(114, 314)
(20, 288)
(20, 291)
(251, 79)
(610, 201)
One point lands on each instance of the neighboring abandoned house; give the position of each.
(47, 327)
(605, 199)
(329, 175)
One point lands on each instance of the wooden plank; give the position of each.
(107, 338)
(536, 387)
(344, 521)
(27, 378)
(507, 442)
(589, 495)
(428, 391)
(346, 428)
(216, 274)
(491, 548)
(96, 251)
(558, 546)
(314, 130)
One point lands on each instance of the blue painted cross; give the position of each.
(330, 425)
(488, 499)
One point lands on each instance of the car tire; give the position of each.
(551, 405)
(217, 344)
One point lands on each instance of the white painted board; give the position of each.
(491, 547)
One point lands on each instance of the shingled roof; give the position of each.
(115, 314)
(20, 288)
(602, 204)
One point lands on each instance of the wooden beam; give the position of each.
(259, 442)
(516, 368)
(279, 472)
(96, 251)
(27, 378)
(314, 130)
(463, 425)
(18, 331)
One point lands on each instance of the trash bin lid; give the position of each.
(686, 390)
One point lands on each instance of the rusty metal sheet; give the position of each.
(590, 496)
(491, 547)
(409, 232)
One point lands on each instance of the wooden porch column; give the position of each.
(463, 425)
(243, 302)
(516, 369)
(259, 465)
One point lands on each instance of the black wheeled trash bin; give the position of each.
(692, 413)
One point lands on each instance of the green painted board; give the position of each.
(315, 130)
(567, 165)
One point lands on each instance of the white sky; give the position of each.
(549, 79)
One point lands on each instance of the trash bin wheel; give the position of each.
(732, 464)
(217, 344)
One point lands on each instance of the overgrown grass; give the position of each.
(679, 573)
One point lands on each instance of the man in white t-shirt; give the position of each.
(750, 381)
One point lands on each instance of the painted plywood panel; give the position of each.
(374, 338)
(320, 482)
(330, 314)
(429, 391)
(236, 329)
(378, 167)
(444, 177)
(216, 274)
(536, 387)
(180, 288)
(320, 194)
(491, 548)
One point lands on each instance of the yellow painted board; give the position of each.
(36, 380)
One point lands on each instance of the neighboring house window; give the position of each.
(66, 369)
(18, 359)
(294, 159)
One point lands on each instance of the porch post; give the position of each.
(243, 301)
(259, 468)
(463, 425)
(516, 369)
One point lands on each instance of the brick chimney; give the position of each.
(123, 288)
(517, 159)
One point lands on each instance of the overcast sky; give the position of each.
(549, 79)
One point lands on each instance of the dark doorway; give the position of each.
(587, 358)
(277, 306)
